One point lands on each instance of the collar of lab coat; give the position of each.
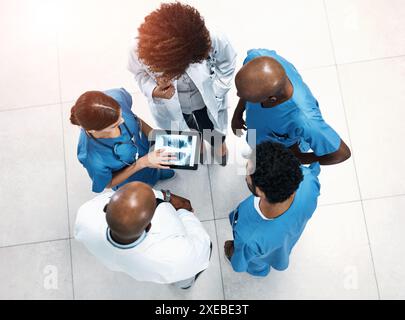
(124, 246)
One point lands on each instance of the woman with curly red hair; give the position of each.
(185, 72)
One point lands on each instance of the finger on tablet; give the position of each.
(168, 154)
(164, 165)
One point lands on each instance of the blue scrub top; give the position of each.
(260, 244)
(297, 120)
(100, 161)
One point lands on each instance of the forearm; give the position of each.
(240, 108)
(342, 154)
(146, 129)
(122, 175)
(307, 158)
(310, 157)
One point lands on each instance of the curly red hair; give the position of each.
(171, 38)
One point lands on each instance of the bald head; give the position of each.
(260, 79)
(130, 210)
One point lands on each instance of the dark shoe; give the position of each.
(203, 153)
(224, 160)
(201, 158)
(186, 288)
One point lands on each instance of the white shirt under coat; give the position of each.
(176, 247)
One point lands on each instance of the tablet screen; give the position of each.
(183, 146)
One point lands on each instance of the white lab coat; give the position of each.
(213, 78)
(176, 247)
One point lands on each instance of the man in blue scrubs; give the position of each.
(267, 225)
(281, 108)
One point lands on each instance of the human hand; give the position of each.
(157, 159)
(180, 203)
(164, 89)
(238, 124)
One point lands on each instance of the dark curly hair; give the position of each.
(277, 171)
(171, 38)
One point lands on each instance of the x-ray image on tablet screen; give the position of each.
(183, 145)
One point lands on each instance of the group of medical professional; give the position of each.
(185, 71)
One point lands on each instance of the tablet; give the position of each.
(184, 144)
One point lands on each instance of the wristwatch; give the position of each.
(167, 195)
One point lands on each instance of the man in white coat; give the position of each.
(185, 72)
(136, 232)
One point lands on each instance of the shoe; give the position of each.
(188, 283)
(201, 158)
(186, 288)
(166, 174)
(224, 159)
(203, 152)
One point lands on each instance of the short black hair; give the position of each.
(277, 171)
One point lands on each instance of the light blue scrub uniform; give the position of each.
(261, 244)
(297, 120)
(98, 158)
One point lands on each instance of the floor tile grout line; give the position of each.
(384, 197)
(33, 243)
(364, 199)
(371, 250)
(351, 144)
(358, 181)
(135, 93)
(338, 203)
(371, 60)
(218, 219)
(64, 159)
(216, 233)
(48, 104)
(37, 106)
(332, 204)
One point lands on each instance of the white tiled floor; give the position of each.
(350, 52)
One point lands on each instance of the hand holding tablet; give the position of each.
(183, 148)
(159, 158)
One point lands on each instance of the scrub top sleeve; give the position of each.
(311, 180)
(232, 215)
(126, 100)
(321, 137)
(101, 177)
(315, 168)
(247, 59)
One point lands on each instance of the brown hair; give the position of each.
(171, 38)
(94, 110)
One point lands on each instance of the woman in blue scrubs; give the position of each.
(113, 144)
